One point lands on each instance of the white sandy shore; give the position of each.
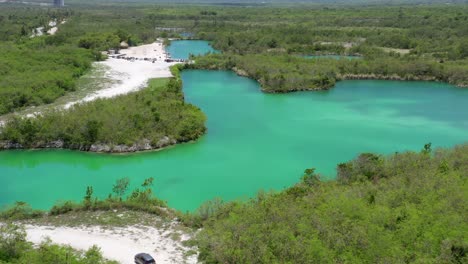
(130, 76)
(120, 244)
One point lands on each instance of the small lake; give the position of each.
(181, 49)
(254, 141)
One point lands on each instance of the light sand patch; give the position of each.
(155, 50)
(120, 244)
(52, 31)
(400, 51)
(131, 75)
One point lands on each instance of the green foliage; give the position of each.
(19, 211)
(155, 113)
(100, 42)
(120, 187)
(38, 75)
(139, 200)
(285, 73)
(15, 249)
(401, 208)
(12, 242)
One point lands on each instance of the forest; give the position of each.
(152, 118)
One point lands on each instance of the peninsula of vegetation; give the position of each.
(153, 118)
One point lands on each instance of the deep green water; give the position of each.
(181, 49)
(254, 141)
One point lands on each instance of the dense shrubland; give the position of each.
(155, 114)
(404, 208)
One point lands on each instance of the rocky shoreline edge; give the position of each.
(143, 145)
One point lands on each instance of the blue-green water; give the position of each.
(254, 141)
(181, 49)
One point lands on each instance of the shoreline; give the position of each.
(96, 148)
(145, 145)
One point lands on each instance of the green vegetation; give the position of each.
(152, 118)
(397, 42)
(285, 73)
(266, 43)
(407, 43)
(140, 199)
(14, 248)
(35, 71)
(407, 207)
(403, 208)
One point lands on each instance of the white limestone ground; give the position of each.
(121, 243)
(131, 75)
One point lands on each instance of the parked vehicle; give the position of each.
(144, 258)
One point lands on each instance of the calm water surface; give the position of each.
(181, 49)
(254, 141)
